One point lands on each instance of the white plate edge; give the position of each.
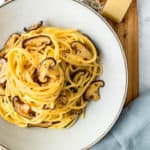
(126, 69)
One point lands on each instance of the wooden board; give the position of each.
(128, 34)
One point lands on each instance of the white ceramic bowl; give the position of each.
(101, 115)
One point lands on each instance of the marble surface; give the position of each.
(144, 44)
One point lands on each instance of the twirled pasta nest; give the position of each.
(47, 77)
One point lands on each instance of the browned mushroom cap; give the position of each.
(78, 74)
(12, 40)
(81, 50)
(93, 90)
(9, 43)
(75, 112)
(61, 101)
(36, 41)
(33, 27)
(63, 98)
(43, 124)
(2, 91)
(46, 107)
(41, 74)
(22, 108)
(3, 66)
(2, 53)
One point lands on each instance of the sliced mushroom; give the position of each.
(33, 27)
(43, 124)
(12, 40)
(46, 107)
(81, 50)
(75, 112)
(74, 90)
(63, 100)
(36, 41)
(22, 108)
(78, 74)
(78, 103)
(3, 66)
(44, 70)
(3, 85)
(9, 43)
(93, 90)
(2, 53)
(2, 91)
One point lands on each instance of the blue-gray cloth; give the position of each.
(132, 131)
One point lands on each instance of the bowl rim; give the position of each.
(95, 141)
(126, 75)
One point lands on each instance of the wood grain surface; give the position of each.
(128, 34)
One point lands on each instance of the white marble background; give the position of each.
(144, 43)
(144, 38)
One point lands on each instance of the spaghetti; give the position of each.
(47, 77)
